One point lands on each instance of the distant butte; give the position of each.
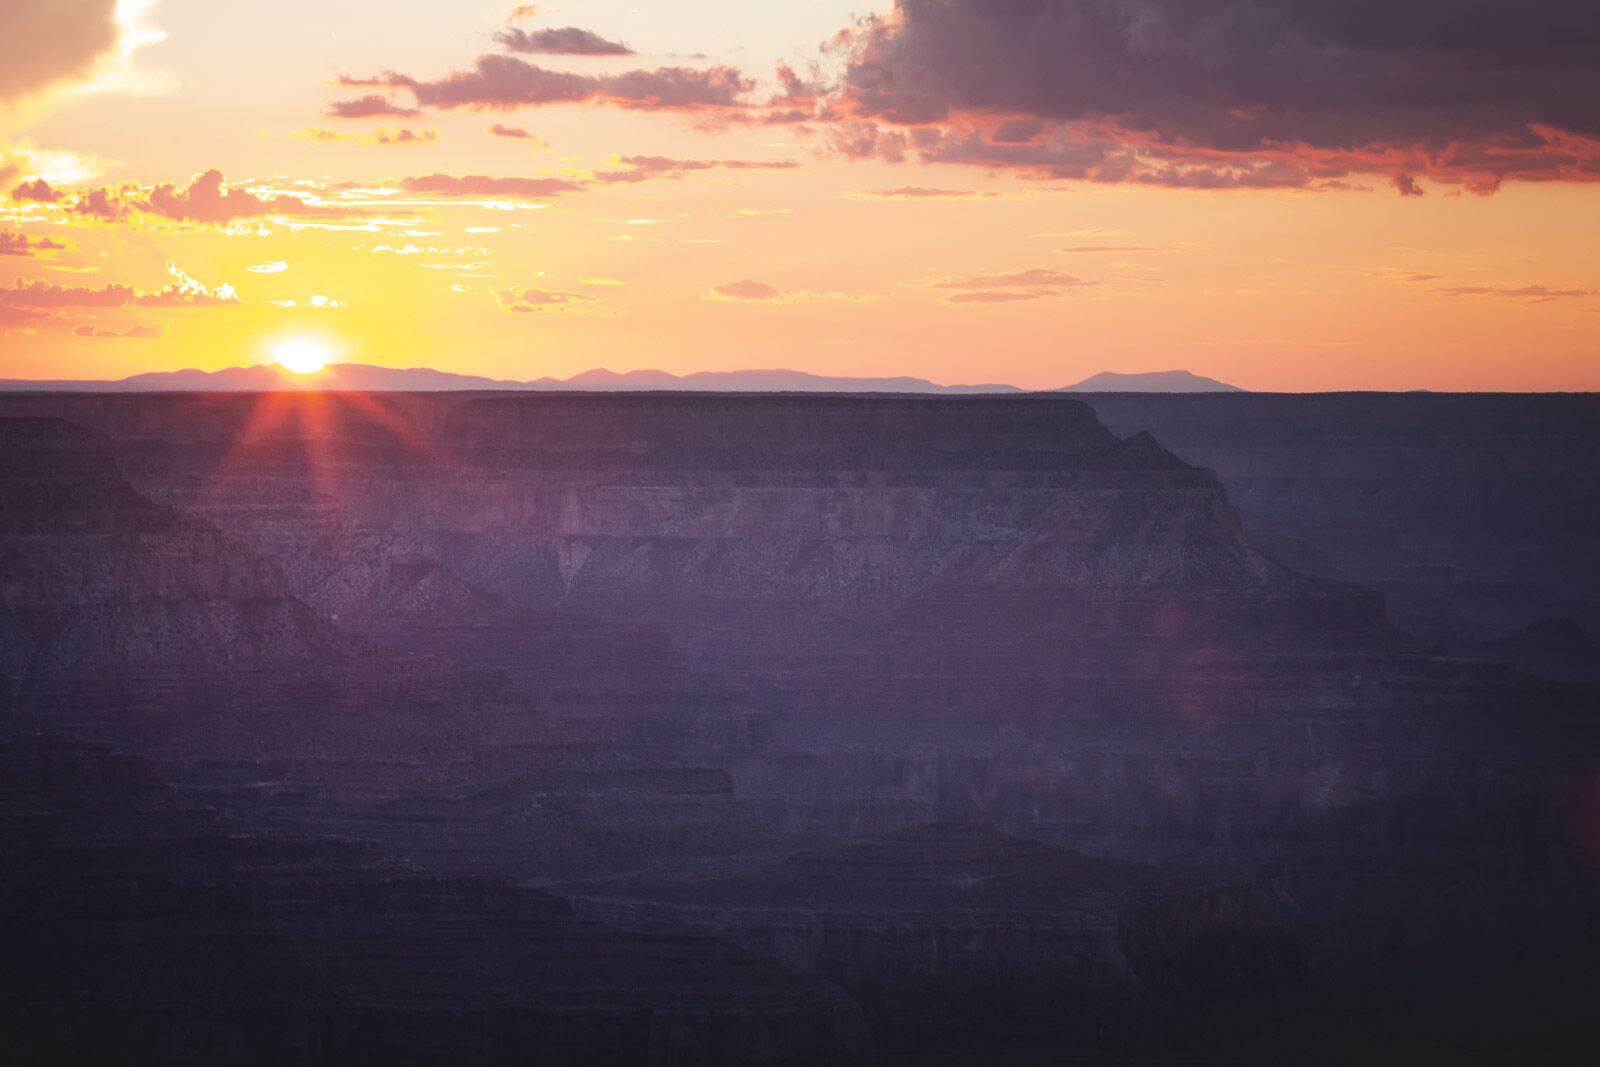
(1162, 381)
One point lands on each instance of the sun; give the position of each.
(301, 355)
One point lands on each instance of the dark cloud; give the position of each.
(20, 244)
(371, 106)
(48, 42)
(1234, 93)
(483, 185)
(38, 191)
(101, 333)
(500, 129)
(570, 41)
(1407, 185)
(506, 83)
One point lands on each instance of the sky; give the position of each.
(1285, 194)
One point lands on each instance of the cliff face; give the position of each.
(684, 655)
(1474, 514)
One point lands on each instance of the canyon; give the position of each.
(831, 728)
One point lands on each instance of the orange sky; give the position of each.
(765, 243)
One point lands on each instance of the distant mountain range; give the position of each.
(1164, 381)
(360, 377)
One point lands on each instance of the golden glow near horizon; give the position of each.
(203, 190)
(301, 355)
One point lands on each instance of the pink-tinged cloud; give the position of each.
(101, 204)
(49, 42)
(646, 168)
(1002, 296)
(528, 301)
(569, 41)
(405, 136)
(104, 334)
(500, 129)
(1533, 293)
(917, 192)
(20, 244)
(17, 319)
(1035, 283)
(483, 185)
(505, 83)
(371, 106)
(24, 293)
(1218, 94)
(207, 199)
(1033, 277)
(749, 291)
(37, 191)
(182, 291)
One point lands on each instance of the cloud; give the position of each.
(1086, 250)
(522, 11)
(182, 291)
(404, 136)
(570, 41)
(747, 291)
(918, 192)
(51, 42)
(100, 204)
(371, 106)
(1532, 293)
(1035, 276)
(530, 301)
(274, 266)
(1035, 283)
(99, 333)
(646, 168)
(1232, 93)
(14, 320)
(37, 191)
(500, 129)
(1407, 185)
(504, 83)
(20, 244)
(483, 185)
(25, 293)
(319, 302)
(207, 199)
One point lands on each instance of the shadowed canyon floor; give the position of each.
(830, 729)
